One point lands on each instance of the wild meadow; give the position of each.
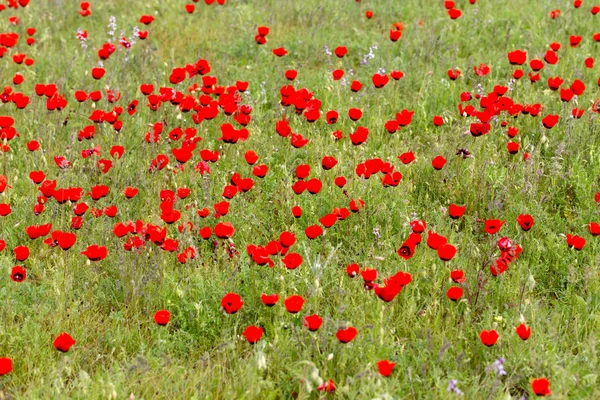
(275, 199)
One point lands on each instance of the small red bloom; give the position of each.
(18, 274)
(312, 322)
(329, 386)
(231, 303)
(454, 293)
(346, 335)
(541, 387)
(6, 366)
(253, 334)
(293, 304)
(493, 225)
(438, 162)
(313, 231)
(162, 317)
(456, 211)
(269, 300)
(63, 342)
(489, 338)
(575, 241)
(458, 275)
(525, 221)
(523, 331)
(385, 367)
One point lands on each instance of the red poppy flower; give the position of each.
(280, 51)
(457, 276)
(352, 270)
(355, 86)
(513, 147)
(33, 145)
(517, 57)
(369, 274)
(574, 40)
(231, 303)
(328, 162)
(397, 75)
(359, 136)
(314, 185)
(162, 317)
(482, 70)
(453, 74)
(493, 225)
(533, 78)
(296, 211)
(454, 293)
(293, 304)
(253, 334)
(18, 274)
(438, 162)
(454, 13)
(95, 252)
(251, 157)
(499, 267)
(589, 62)
(404, 117)
(554, 83)
(356, 205)
(594, 228)
(260, 171)
(395, 35)
(224, 230)
(525, 221)
(346, 335)
(523, 331)
(536, 65)
(340, 51)
(438, 120)
(146, 19)
(269, 300)
(435, 241)
(541, 387)
(313, 231)
(518, 73)
(63, 342)
(456, 211)
(98, 72)
(312, 322)
(418, 226)
(407, 158)
(6, 366)
(340, 181)
(489, 338)
(21, 253)
(385, 367)
(380, 80)
(446, 252)
(575, 241)
(578, 87)
(292, 260)
(329, 386)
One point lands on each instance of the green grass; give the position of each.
(108, 306)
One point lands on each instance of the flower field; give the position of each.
(240, 199)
